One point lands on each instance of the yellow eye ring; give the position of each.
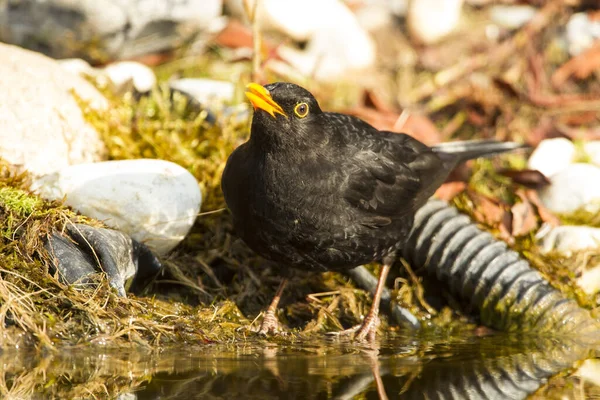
(301, 110)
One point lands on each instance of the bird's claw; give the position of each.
(366, 330)
(270, 326)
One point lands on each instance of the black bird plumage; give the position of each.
(328, 191)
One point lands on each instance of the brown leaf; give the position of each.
(546, 129)
(544, 214)
(372, 100)
(524, 219)
(579, 119)
(530, 178)
(506, 87)
(235, 35)
(449, 190)
(487, 210)
(581, 66)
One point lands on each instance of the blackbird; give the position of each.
(324, 191)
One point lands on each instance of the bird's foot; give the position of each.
(366, 330)
(270, 326)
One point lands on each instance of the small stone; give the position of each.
(375, 14)
(592, 150)
(512, 16)
(204, 91)
(581, 33)
(567, 239)
(332, 51)
(154, 201)
(552, 156)
(77, 66)
(125, 73)
(589, 371)
(101, 30)
(589, 281)
(429, 21)
(42, 127)
(575, 187)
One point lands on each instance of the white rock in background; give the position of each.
(429, 21)
(336, 43)
(124, 73)
(589, 371)
(575, 187)
(41, 124)
(115, 29)
(512, 16)
(589, 281)
(552, 156)
(592, 150)
(154, 201)
(205, 91)
(569, 238)
(77, 66)
(581, 33)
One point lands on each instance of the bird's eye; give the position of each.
(301, 110)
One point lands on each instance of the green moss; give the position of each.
(19, 201)
(582, 216)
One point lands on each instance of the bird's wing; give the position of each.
(391, 178)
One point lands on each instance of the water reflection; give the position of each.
(473, 367)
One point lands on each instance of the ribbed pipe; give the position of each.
(509, 294)
(514, 376)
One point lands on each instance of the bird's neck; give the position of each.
(275, 145)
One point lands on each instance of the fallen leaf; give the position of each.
(487, 210)
(372, 100)
(530, 178)
(449, 190)
(578, 119)
(524, 219)
(546, 129)
(236, 35)
(544, 214)
(581, 66)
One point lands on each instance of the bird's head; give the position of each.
(283, 108)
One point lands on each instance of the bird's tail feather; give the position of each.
(466, 150)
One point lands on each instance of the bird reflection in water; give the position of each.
(497, 366)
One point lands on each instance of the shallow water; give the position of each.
(496, 366)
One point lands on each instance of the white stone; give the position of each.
(77, 66)
(154, 201)
(592, 150)
(119, 29)
(124, 73)
(552, 156)
(429, 21)
(575, 187)
(376, 14)
(42, 127)
(589, 281)
(589, 371)
(512, 16)
(205, 91)
(581, 33)
(336, 42)
(567, 239)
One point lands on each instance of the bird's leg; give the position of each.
(368, 328)
(270, 324)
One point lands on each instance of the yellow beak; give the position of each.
(261, 98)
